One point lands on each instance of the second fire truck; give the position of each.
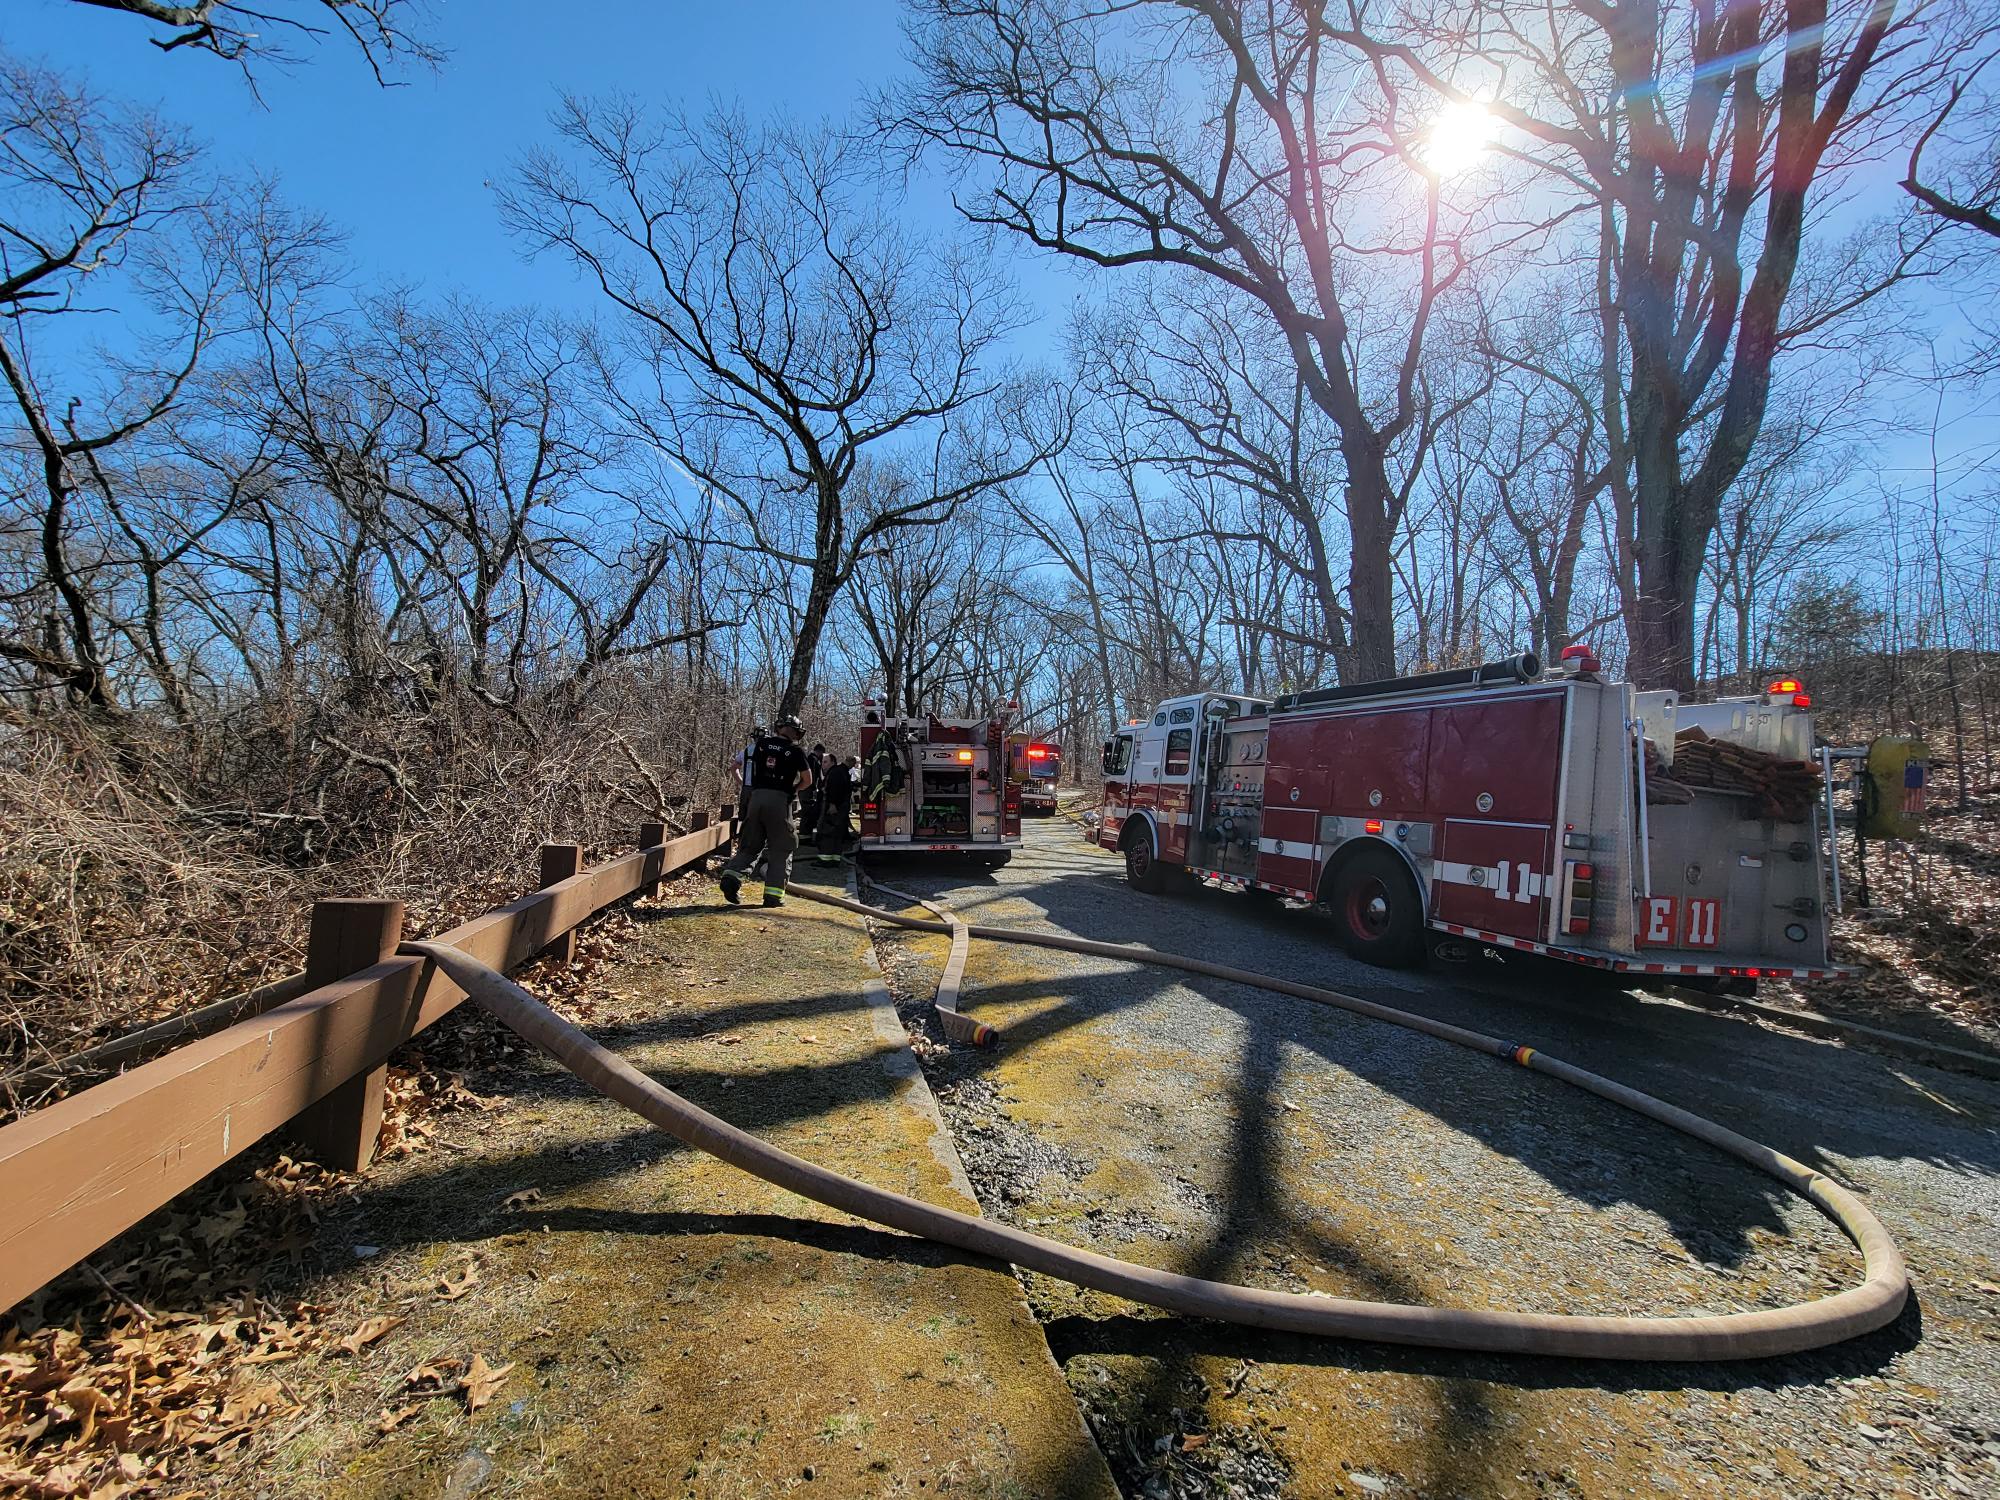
(936, 784)
(1501, 807)
(1034, 767)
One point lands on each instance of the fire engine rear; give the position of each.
(1562, 814)
(937, 784)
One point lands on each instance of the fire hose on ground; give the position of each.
(1739, 1335)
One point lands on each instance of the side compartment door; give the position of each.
(1494, 764)
(1491, 876)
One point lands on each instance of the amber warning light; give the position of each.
(1792, 687)
(965, 755)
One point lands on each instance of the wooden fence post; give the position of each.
(559, 862)
(651, 834)
(347, 936)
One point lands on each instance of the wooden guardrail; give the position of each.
(79, 1172)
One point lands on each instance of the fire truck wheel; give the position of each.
(1143, 870)
(1377, 911)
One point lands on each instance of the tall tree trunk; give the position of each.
(1371, 646)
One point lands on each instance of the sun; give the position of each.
(1459, 137)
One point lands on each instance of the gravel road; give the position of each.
(1230, 1132)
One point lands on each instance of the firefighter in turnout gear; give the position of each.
(777, 772)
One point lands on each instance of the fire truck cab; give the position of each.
(936, 784)
(1498, 806)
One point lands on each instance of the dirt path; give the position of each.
(673, 1327)
(1234, 1133)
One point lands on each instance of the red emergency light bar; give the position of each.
(1038, 752)
(1579, 658)
(1792, 687)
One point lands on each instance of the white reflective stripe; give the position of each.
(1288, 848)
(1452, 873)
(1527, 884)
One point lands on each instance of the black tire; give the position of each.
(1143, 870)
(1377, 911)
(999, 861)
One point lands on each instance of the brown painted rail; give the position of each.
(81, 1171)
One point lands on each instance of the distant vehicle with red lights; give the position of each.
(1499, 807)
(1034, 767)
(937, 784)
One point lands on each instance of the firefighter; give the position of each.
(777, 771)
(811, 801)
(835, 806)
(740, 766)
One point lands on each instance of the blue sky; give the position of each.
(405, 171)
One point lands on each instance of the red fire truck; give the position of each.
(1034, 766)
(1496, 805)
(929, 783)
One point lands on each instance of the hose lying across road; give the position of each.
(1741, 1335)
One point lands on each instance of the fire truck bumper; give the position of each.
(1627, 964)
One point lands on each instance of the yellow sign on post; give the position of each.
(1892, 787)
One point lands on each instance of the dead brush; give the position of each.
(147, 869)
(113, 912)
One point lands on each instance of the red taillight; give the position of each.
(1576, 902)
(1373, 825)
(871, 808)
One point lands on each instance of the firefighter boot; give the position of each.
(732, 886)
(774, 895)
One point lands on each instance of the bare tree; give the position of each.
(782, 328)
(1776, 526)
(1252, 143)
(1709, 140)
(94, 202)
(383, 31)
(1968, 194)
(1217, 406)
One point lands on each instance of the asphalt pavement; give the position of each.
(1231, 1132)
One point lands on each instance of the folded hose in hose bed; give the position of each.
(1741, 1335)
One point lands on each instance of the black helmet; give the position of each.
(790, 721)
